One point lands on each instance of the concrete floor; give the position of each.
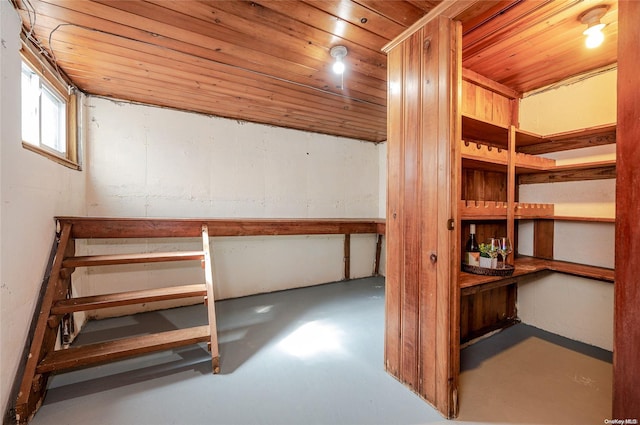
(315, 356)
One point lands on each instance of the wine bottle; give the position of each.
(472, 249)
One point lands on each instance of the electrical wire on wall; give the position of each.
(41, 53)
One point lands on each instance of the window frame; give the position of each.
(66, 93)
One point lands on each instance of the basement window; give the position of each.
(48, 112)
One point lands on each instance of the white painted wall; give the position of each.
(578, 308)
(153, 162)
(382, 190)
(33, 191)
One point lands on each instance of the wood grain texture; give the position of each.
(395, 215)
(210, 300)
(496, 47)
(626, 368)
(412, 206)
(166, 54)
(430, 185)
(127, 298)
(486, 311)
(481, 102)
(511, 196)
(110, 227)
(577, 139)
(472, 283)
(113, 259)
(347, 256)
(420, 285)
(376, 264)
(543, 231)
(89, 355)
(567, 173)
(269, 61)
(33, 384)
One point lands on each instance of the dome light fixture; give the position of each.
(338, 52)
(591, 18)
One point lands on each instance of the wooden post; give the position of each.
(376, 265)
(211, 309)
(347, 256)
(511, 190)
(626, 344)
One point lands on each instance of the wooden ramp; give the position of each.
(44, 360)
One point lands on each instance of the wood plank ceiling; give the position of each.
(268, 61)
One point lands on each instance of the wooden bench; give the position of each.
(57, 304)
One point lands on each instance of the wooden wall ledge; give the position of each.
(529, 266)
(109, 227)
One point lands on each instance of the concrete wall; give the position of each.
(578, 308)
(154, 162)
(33, 190)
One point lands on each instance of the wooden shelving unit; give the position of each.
(495, 159)
(492, 155)
(527, 266)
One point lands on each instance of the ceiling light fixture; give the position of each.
(338, 52)
(591, 18)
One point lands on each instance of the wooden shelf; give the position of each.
(482, 210)
(526, 210)
(132, 227)
(533, 214)
(485, 153)
(582, 270)
(531, 163)
(495, 210)
(525, 138)
(570, 218)
(474, 129)
(481, 135)
(89, 355)
(583, 138)
(570, 172)
(482, 154)
(128, 298)
(113, 259)
(589, 219)
(528, 266)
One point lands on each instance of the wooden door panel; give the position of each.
(394, 234)
(626, 368)
(413, 237)
(429, 194)
(421, 331)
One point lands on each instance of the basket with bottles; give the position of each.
(483, 258)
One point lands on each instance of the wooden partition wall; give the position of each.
(422, 295)
(626, 346)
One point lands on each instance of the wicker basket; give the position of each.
(507, 271)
